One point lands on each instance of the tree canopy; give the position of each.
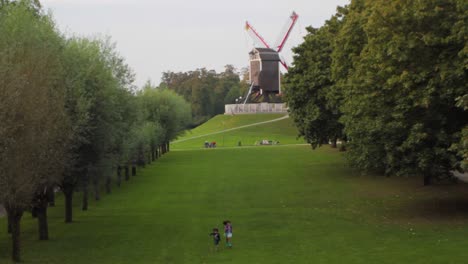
(391, 72)
(206, 90)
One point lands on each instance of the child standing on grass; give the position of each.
(216, 237)
(228, 232)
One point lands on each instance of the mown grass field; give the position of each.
(282, 131)
(221, 122)
(288, 205)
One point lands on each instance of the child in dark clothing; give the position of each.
(216, 237)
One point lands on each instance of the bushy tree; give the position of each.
(401, 108)
(170, 113)
(33, 127)
(397, 70)
(461, 147)
(308, 87)
(97, 85)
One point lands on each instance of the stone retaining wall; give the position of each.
(232, 109)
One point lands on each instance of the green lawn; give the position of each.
(282, 131)
(288, 204)
(221, 122)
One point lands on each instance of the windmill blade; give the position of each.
(284, 35)
(259, 41)
(284, 63)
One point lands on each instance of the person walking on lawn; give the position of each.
(228, 232)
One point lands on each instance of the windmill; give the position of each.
(264, 72)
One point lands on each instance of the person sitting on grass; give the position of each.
(228, 232)
(216, 237)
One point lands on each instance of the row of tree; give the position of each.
(206, 90)
(70, 117)
(389, 77)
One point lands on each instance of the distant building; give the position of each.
(264, 71)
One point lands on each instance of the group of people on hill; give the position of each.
(210, 144)
(227, 233)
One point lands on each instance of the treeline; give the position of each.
(206, 90)
(70, 118)
(389, 78)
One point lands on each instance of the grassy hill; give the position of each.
(283, 131)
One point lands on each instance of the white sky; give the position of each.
(180, 35)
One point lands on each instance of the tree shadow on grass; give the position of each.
(443, 210)
(407, 201)
(440, 204)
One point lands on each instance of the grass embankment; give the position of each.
(282, 131)
(287, 204)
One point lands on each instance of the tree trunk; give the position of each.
(51, 196)
(152, 154)
(133, 170)
(68, 192)
(333, 142)
(127, 173)
(34, 212)
(108, 184)
(15, 215)
(119, 175)
(168, 146)
(42, 221)
(97, 192)
(85, 198)
(427, 180)
(9, 223)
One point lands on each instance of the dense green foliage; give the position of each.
(206, 90)
(390, 73)
(309, 90)
(462, 146)
(306, 208)
(34, 126)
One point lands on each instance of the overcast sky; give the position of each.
(179, 35)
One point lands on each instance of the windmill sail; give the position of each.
(259, 41)
(286, 31)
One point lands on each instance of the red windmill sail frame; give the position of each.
(256, 36)
(294, 18)
(252, 29)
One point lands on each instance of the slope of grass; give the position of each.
(287, 204)
(282, 131)
(222, 122)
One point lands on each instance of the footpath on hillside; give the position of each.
(235, 128)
